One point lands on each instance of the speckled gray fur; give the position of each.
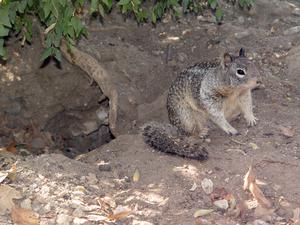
(192, 101)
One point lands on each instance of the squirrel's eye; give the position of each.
(240, 73)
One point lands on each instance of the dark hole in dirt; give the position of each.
(79, 131)
(50, 107)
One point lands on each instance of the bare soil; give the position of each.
(148, 58)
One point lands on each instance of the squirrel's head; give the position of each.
(239, 68)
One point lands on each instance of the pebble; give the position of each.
(182, 57)
(26, 204)
(79, 221)
(296, 12)
(90, 126)
(63, 219)
(260, 222)
(292, 30)
(91, 178)
(78, 213)
(75, 203)
(222, 204)
(105, 167)
(47, 208)
(44, 191)
(241, 19)
(37, 143)
(242, 34)
(207, 186)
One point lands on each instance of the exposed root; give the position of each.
(94, 69)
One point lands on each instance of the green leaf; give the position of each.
(153, 17)
(3, 31)
(77, 26)
(63, 2)
(46, 53)
(108, 3)
(47, 9)
(219, 14)
(123, 2)
(213, 3)
(94, 6)
(21, 6)
(3, 51)
(101, 10)
(4, 16)
(30, 3)
(80, 2)
(57, 54)
(185, 4)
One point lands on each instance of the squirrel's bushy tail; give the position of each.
(167, 138)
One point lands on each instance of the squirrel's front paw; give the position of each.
(251, 120)
(232, 131)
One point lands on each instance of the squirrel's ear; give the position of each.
(227, 59)
(242, 53)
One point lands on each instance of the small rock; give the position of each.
(241, 19)
(47, 208)
(242, 34)
(26, 204)
(75, 203)
(91, 178)
(182, 57)
(292, 30)
(90, 126)
(79, 221)
(78, 213)
(260, 222)
(222, 204)
(296, 11)
(105, 167)
(37, 143)
(207, 186)
(63, 219)
(44, 191)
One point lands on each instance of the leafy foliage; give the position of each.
(60, 19)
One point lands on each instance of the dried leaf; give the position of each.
(296, 217)
(12, 147)
(259, 196)
(202, 212)
(218, 193)
(287, 132)
(107, 204)
(119, 215)
(48, 29)
(249, 178)
(12, 172)
(193, 188)
(136, 175)
(253, 146)
(7, 194)
(3, 175)
(24, 216)
(207, 186)
(231, 200)
(251, 204)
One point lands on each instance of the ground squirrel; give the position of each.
(216, 92)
